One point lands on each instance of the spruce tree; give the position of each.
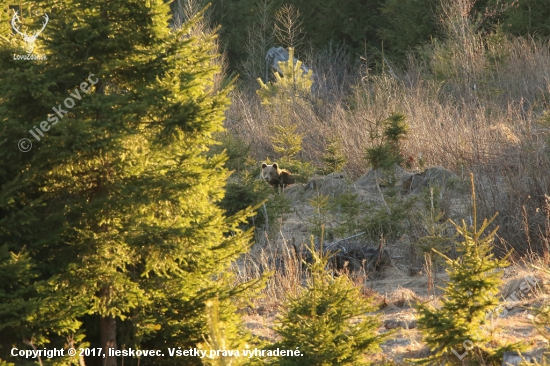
(454, 332)
(334, 159)
(385, 152)
(292, 87)
(328, 322)
(288, 91)
(286, 141)
(116, 204)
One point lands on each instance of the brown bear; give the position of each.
(275, 176)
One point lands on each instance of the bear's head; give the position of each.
(270, 173)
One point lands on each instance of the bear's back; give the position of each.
(285, 178)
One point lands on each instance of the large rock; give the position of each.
(331, 185)
(277, 54)
(514, 358)
(408, 181)
(437, 176)
(368, 180)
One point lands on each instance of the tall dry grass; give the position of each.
(288, 272)
(472, 104)
(288, 264)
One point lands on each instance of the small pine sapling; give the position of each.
(454, 332)
(328, 321)
(280, 97)
(286, 141)
(334, 159)
(395, 130)
(293, 87)
(385, 152)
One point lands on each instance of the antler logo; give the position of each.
(29, 39)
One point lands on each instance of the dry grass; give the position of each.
(288, 272)
(486, 120)
(473, 104)
(395, 295)
(468, 111)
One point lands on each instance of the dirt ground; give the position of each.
(395, 293)
(396, 287)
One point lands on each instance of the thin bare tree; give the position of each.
(185, 10)
(289, 28)
(260, 37)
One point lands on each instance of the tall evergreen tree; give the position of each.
(354, 23)
(115, 205)
(527, 17)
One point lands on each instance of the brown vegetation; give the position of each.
(473, 104)
(489, 119)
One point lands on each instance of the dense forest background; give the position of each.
(367, 28)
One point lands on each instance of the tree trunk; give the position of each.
(107, 326)
(108, 338)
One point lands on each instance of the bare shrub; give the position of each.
(260, 37)
(285, 263)
(289, 27)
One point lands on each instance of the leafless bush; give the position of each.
(288, 272)
(260, 37)
(335, 74)
(287, 263)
